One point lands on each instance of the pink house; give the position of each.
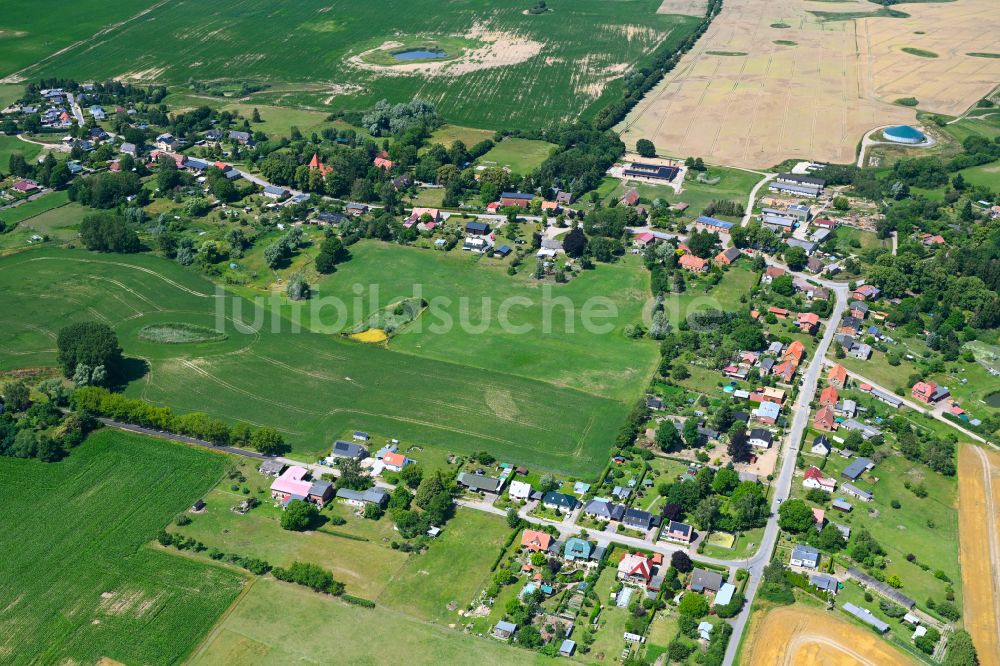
(293, 485)
(418, 213)
(644, 239)
(25, 186)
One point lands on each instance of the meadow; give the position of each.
(319, 629)
(11, 144)
(526, 71)
(79, 579)
(316, 387)
(521, 156)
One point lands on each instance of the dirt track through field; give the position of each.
(771, 80)
(979, 548)
(803, 636)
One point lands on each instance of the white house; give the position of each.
(519, 490)
(814, 478)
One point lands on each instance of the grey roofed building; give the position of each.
(804, 556)
(242, 137)
(862, 495)
(275, 191)
(377, 496)
(504, 629)
(702, 579)
(331, 218)
(604, 510)
(866, 616)
(840, 504)
(479, 482)
(128, 149)
(638, 519)
(844, 530)
(740, 416)
(477, 228)
(732, 254)
(881, 588)
(559, 500)
(821, 445)
(808, 246)
(824, 583)
(762, 435)
(653, 402)
(552, 244)
(857, 467)
(862, 351)
(342, 449)
(845, 340)
(775, 347)
(887, 398)
(271, 467)
(321, 486)
(567, 648)
(766, 365)
(867, 431)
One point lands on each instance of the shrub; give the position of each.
(310, 575)
(299, 516)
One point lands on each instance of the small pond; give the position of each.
(419, 54)
(993, 399)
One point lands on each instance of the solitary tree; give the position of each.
(795, 516)
(645, 148)
(299, 516)
(681, 561)
(92, 344)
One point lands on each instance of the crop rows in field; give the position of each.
(79, 580)
(530, 69)
(316, 387)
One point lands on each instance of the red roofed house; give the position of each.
(25, 186)
(808, 322)
(837, 376)
(315, 164)
(536, 541)
(795, 351)
(819, 515)
(771, 273)
(813, 478)
(866, 291)
(382, 161)
(825, 223)
(829, 397)
(825, 419)
(418, 213)
(780, 313)
(114, 166)
(635, 568)
(631, 197)
(644, 239)
(395, 462)
(727, 257)
(689, 262)
(928, 392)
(785, 370)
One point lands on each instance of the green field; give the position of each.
(447, 134)
(605, 364)
(521, 156)
(733, 185)
(316, 387)
(279, 624)
(79, 579)
(28, 37)
(452, 571)
(11, 144)
(987, 175)
(547, 67)
(49, 216)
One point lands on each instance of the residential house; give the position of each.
(837, 377)
(479, 482)
(356, 209)
(360, 498)
(677, 532)
(808, 322)
(702, 579)
(417, 215)
(395, 462)
(295, 484)
(638, 519)
(866, 292)
(635, 568)
(129, 149)
(564, 197)
(504, 630)
(519, 490)
(824, 583)
(518, 199)
(854, 491)
(767, 413)
(861, 351)
(275, 192)
(795, 352)
(577, 549)
(770, 273)
(804, 556)
(536, 541)
(929, 392)
(630, 198)
(727, 256)
(813, 478)
(561, 501)
(342, 449)
(602, 509)
(825, 419)
(714, 225)
(645, 239)
(867, 431)
(858, 309)
(761, 438)
(689, 262)
(240, 137)
(382, 161)
(654, 402)
(821, 446)
(815, 265)
(829, 397)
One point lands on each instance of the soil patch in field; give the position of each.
(801, 636)
(178, 332)
(979, 550)
(685, 7)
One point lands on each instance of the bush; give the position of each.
(358, 601)
(299, 516)
(183, 519)
(310, 575)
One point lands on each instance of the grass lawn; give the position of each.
(11, 144)
(12, 216)
(278, 120)
(987, 175)
(521, 156)
(985, 125)
(470, 136)
(315, 628)
(10, 93)
(744, 545)
(734, 185)
(79, 579)
(313, 387)
(428, 197)
(662, 630)
(61, 223)
(608, 641)
(364, 567)
(907, 529)
(452, 571)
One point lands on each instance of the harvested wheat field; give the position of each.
(979, 548)
(802, 636)
(810, 87)
(949, 83)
